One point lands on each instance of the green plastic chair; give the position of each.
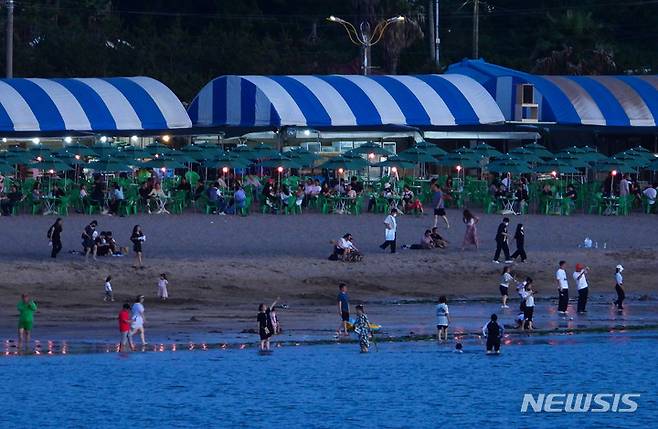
(63, 206)
(292, 207)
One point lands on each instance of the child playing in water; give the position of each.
(442, 319)
(162, 287)
(109, 296)
(362, 329)
(265, 328)
(124, 328)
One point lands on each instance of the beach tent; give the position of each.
(343, 101)
(57, 106)
(623, 101)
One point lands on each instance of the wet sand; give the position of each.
(221, 267)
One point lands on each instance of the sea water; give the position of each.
(396, 385)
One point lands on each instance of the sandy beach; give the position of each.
(221, 267)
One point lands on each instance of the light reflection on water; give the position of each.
(412, 384)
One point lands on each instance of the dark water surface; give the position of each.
(402, 385)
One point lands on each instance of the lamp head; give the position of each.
(614, 172)
(459, 168)
(280, 169)
(340, 171)
(225, 169)
(394, 169)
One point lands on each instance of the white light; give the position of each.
(165, 139)
(77, 157)
(614, 172)
(36, 140)
(280, 169)
(225, 169)
(459, 168)
(68, 139)
(4, 139)
(394, 169)
(163, 169)
(134, 139)
(307, 132)
(371, 155)
(340, 171)
(103, 139)
(332, 18)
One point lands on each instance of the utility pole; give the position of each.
(476, 29)
(437, 38)
(9, 39)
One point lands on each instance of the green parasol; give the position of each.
(395, 161)
(132, 152)
(371, 147)
(573, 160)
(464, 160)
(109, 165)
(162, 162)
(539, 150)
(555, 165)
(6, 168)
(417, 156)
(280, 161)
(525, 155)
(486, 150)
(343, 162)
(76, 149)
(430, 148)
(512, 166)
(226, 162)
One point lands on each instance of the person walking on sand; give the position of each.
(163, 294)
(362, 328)
(442, 319)
(562, 288)
(89, 239)
(493, 332)
(391, 231)
(501, 242)
(505, 280)
(265, 328)
(619, 288)
(581, 284)
(138, 238)
(55, 237)
(26, 309)
(343, 309)
(438, 203)
(109, 295)
(519, 237)
(471, 234)
(138, 319)
(124, 329)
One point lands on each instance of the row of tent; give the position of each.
(471, 93)
(528, 159)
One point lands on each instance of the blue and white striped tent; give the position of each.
(343, 100)
(89, 105)
(571, 100)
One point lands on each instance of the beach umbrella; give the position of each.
(158, 149)
(464, 151)
(104, 150)
(226, 162)
(70, 159)
(525, 155)
(539, 150)
(342, 162)
(395, 161)
(417, 156)
(371, 147)
(430, 148)
(611, 164)
(15, 157)
(76, 149)
(303, 156)
(486, 150)
(555, 165)
(162, 162)
(511, 166)
(632, 161)
(132, 152)
(571, 159)
(653, 165)
(109, 165)
(181, 157)
(243, 149)
(280, 161)
(460, 159)
(39, 153)
(264, 151)
(6, 168)
(591, 154)
(51, 164)
(195, 151)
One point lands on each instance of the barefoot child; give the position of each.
(124, 328)
(442, 319)
(109, 295)
(162, 287)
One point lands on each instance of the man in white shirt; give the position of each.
(624, 186)
(391, 230)
(582, 286)
(650, 192)
(562, 288)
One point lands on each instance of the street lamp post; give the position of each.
(364, 37)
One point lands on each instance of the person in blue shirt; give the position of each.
(343, 308)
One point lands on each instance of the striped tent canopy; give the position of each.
(89, 105)
(343, 100)
(571, 100)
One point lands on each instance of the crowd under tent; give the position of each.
(594, 108)
(119, 106)
(338, 109)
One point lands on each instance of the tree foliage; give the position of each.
(185, 44)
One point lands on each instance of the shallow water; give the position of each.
(401, 385)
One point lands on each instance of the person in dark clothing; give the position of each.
(619, 288)
(519, 237)
(137, 238)
(55, 237)
(265, 328)
(10, 200)
(493, 332)
(89, 239)
(184, 185)
(501, 242)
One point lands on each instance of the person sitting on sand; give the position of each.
(493, 332)
(426, 242)
(439, 241)
(343, 247)
(265, 328)
(362, 329)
